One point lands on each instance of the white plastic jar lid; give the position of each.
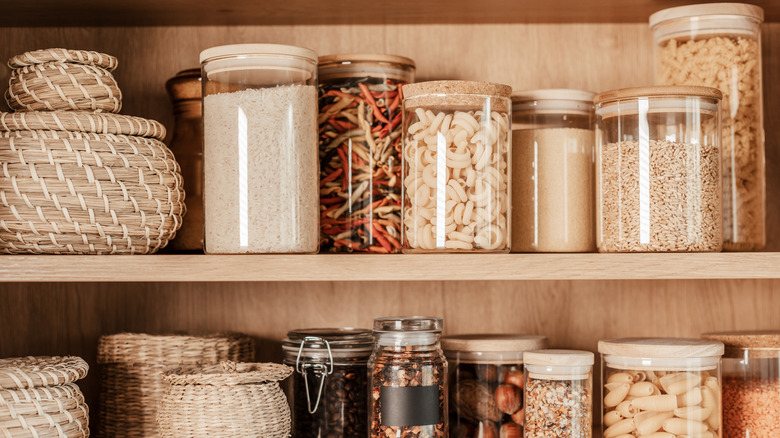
(256, 49)
(740, 10)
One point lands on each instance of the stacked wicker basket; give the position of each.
(40, 399)
(131, 384)
(76, 177)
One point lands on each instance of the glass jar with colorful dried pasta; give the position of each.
(558, 394)
(456, 160)
(751, 383)
(719, 45)
(407, 379)
(486, 383)
(664, 386)
(328, 392)
(360, 151)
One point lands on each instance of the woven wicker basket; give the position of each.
(60, 79)
(30, 407)
(226, 400)
(84, 183)
(132, 365)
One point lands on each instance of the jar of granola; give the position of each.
(719, 45)
(408, 379)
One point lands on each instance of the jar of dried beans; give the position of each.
(666, 387)
(552, 171)
(719, 45)
(328, 391)
(486, 383)
(558, 394)
(260, 182)
(751, 383)
(360, 151)
(407, 379)
(456, 158)
(658, 170)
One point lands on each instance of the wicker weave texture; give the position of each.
(85, 57)
(36, 371)
(82, 121)
(65, 192)
(132, 365)
(222, 403)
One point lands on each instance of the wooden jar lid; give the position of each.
(329, 60)
(661, 347)
(493, 343)
(559, 358)
(758, 343)
(657, 91)
(752, 12)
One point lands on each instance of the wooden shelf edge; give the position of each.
(348, 267)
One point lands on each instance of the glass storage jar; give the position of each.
(558, 394)
(328, 391)
(751, 383)
(669, 386)
(360, 175)
(486, 383)
(552, 171)
(186, 143)
(719, 45)
(261, 185)
(456, 158)
(658, 185)
(407, 379)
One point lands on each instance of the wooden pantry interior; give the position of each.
(57, 305)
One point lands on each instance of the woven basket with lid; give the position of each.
(38, 398)
(131, 368)
(226, 400)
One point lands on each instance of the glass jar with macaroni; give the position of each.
(668, 387)
(719, 45)
(486, 383)
(751, 383)
(456, 161)
(552, 171)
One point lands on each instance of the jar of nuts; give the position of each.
(328, 391)
(666, 387)
(407, 379)
(486, 384)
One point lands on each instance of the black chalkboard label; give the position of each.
(410, 406)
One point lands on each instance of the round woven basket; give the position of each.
(228, 400)
(39, 399)
(61, 79)
(131, 368)
(110, 186)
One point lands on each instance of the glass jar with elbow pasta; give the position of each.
(552, 171)
(751, 383)
(456, 160)
(665, 387)
(719, 45)
(658, 170)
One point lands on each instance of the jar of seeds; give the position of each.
(408, 379)
(328, 391)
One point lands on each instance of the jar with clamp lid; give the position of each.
(328, 391)
(408, 379)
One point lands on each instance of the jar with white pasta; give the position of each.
(664, 387)
(456, 161)
(719, 45)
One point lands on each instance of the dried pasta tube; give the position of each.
(654, 423)
(690, 398)
(620, 378)
(620, 428)
(683, 383)
(656, 403)
(626, 409)
(642, 389)
(617, 393)
(661, 435)
(611, 418)
(681, 426)
(693, 413)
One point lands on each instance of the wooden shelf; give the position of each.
(267, 12)
(438, 267)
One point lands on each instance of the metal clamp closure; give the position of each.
(320, 371)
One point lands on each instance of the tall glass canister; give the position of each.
(457, 158)
(261, 185)
(553, 158)
(407, 379)
(360, 151)
(719, 45)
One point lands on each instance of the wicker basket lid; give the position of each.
(228, 373)
(42, 56)
(177, 350)
(37, 371)
(81, 121)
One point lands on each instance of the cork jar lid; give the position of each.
(756, 343)
(457, 87)
(661, 347)
(752, 12)
(658, 91)
(493, 343)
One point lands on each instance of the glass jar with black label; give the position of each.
(328, 391)
(408, 379)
